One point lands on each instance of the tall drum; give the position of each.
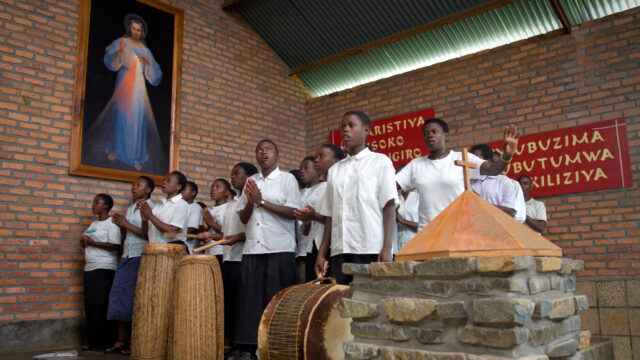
(303, 322)
(153, 304)
(198, 327)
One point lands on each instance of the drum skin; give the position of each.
(303, 322)
(153, 303)
(198, 322)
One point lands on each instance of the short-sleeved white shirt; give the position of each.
(358, 188)
(408, 209)
(536, 210)
(134, 244)
(302, 240)
(232, 226)
(438, 182)
(174, 211)
(267, 232)
(218, 213)
(96, 258)
(521, 207)
(194, 221)
(315, 199)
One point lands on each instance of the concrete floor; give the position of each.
(85, 355)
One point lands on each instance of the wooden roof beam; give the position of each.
(479, 9)
(561, 15)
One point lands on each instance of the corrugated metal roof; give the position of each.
(303, 31)
(510, 23)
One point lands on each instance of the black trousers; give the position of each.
(335, 265)
(97, 286)
(231, 283)
(261, 276)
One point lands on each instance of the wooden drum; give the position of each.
(303, 322)
(198, 322)
(153, 304)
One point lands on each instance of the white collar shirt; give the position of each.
(267, 232)
(315, 199)
(408, 209)
(218, 213)
(134, 244)
(104, 231)
(438, 182)
(358, 188)
(499, 190)
(302, 240)
(232, 226)
(175, 212)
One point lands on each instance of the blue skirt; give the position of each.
(123, 290)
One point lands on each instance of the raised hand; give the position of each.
(511, 136)
(253, 192)
(123, 47)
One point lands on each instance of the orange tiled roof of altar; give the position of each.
(471, 227)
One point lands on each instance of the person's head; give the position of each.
(326, 156)
(435, 133)
(220, 190)
(142, 188)
(356, 126)
(174, 183)
(296, 174)
(102, 204)
(496, 156)
(240, 173)
(190, 192)
(266, 154)
(308, 173)
(483, 151)
(135, 26)
(526, 184)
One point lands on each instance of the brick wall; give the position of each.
(545, 83)
(235, 91)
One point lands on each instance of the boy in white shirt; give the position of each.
(171, 216)
(194, 223)
(536, 211)
(359, 204)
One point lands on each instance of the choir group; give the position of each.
(281, 229)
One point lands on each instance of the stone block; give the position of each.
(495, 338)
(577, 265)
(408, 309)
(538, 284)
(357, 309)
(598, 350)
(543, 334)
(584, 339)
(562, 308)
(634, 315)
(587, 288)
(614, 321)
(567, 347)
(557, 282)
(502, 311)
(612, 293)
(434, 288)
(633, 291)
(569, 325)
(543, 308)
(570, 283)
(355, 269)
(359, 351)
(504, 263)
(567, 266)
(581, 302)
(453, 310)
(546, 264)
(382, 286)
(429, 336)
(446, 267)
(491, 357)
(379, 331)
(396, 353)
(487, 286)
(400, 268)
(590, 320)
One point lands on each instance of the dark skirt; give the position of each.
(261, 277)
(231, 283)
(123, 290)
(97, 285)
(335, 267)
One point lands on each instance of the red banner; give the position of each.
(398, 137)
(583, 158)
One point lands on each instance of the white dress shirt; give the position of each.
(302, 240)
(358, 188)
(408, 209)
(267, 232)
(521, 207)
(134, 244)
(175, 212)
(438, 182)
(218, 213)
(96, 258)
(232, 226)
(315, 199)
(536, 209)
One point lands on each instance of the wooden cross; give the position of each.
(466, 165)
